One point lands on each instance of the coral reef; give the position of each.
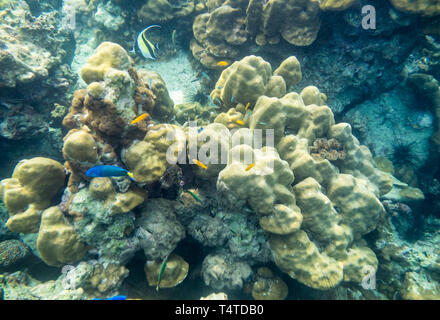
(220, 33)
(163, 107)
(345, 192)
(95, 277)
(202, 114)
(408, 269)
(21, 286)
(269, 195)
(115, 95)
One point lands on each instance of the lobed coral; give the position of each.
(148, 159)
(30, 190)
(248, 79)
(58, 243)
(315, 227)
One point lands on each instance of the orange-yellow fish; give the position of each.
(140, 118)
(240, 122)
(250, 167)
(223, 63)
(197, 162)
(247, 106)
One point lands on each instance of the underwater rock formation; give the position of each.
(21, 286)
(220, 271)
(163, 107)
(158, 230)
(99, 278)
(32, 49)
(408, 269)
(389, 125)
(109, 104)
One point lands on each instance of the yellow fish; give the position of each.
(197, 162)
(223, 63)
(240, 122)
(250, 167)
(247, 106)
(140, 118)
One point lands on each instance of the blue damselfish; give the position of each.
(108, 171)
(114, 298)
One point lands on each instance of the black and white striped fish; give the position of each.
(146, 48)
